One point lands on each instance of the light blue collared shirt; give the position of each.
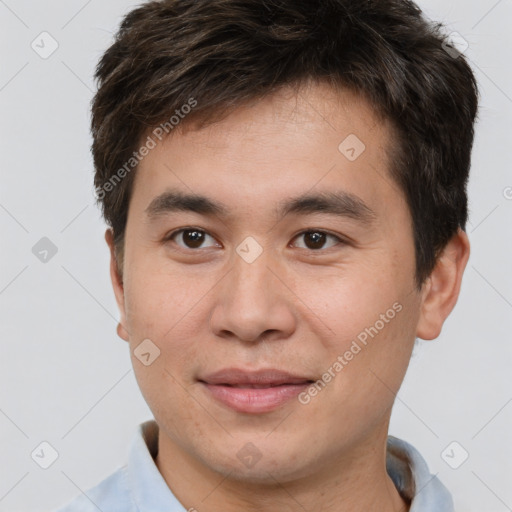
(139, 487)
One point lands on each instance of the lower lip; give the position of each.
(255, 400)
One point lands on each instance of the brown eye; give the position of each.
(190, 238)
(315, 240)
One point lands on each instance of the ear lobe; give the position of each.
(441, 290)
(117, 285)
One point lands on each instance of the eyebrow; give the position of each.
(339, 203)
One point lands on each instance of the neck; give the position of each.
(355, 482)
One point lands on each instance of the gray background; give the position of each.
(66, 377)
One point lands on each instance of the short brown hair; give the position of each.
(222, 53)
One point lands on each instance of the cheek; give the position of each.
(349, 298)
(158, 298)
(368, 366)
(164, 309)
(171, 310)
(368, 317)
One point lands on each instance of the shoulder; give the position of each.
(110, 495)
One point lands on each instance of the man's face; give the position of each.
(291, 298)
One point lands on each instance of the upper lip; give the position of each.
(270, 377)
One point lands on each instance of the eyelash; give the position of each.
(340, 241)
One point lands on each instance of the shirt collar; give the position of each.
(412, 478)
(149, 489)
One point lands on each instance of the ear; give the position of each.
(441, 290)
(117, 284)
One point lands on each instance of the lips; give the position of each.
(253, 391)
(255, 379)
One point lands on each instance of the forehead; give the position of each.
(316, 112)
(285, 144)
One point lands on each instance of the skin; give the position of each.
(293, 308)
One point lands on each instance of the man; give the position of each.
(285, 188)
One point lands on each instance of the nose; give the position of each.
(252, 304)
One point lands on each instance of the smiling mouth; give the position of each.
(254, 378)
(254, 392)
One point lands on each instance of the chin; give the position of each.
(254, 467)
